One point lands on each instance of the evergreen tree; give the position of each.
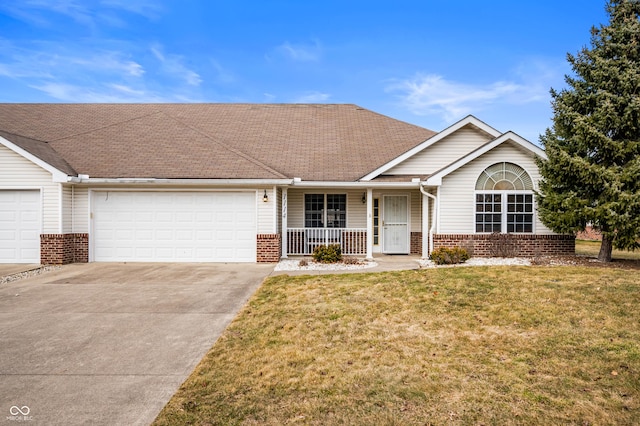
(592, 171)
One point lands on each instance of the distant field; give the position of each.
(591, 248)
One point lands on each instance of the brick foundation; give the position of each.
(487, 245)
(60, 249)
(268, 248)
(416, 243)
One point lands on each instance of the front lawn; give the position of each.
(475, 345)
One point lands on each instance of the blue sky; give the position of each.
(426, 62)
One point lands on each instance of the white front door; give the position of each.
(395, 224)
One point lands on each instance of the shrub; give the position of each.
(502, 245)
(328, 254)
(351, 261)
(449, 255)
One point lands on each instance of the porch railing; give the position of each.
(302, 241)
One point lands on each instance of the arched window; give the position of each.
(504, 199)
(504, 176)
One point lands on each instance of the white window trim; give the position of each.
(503, 213)
(324, 210)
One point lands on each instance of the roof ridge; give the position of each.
(228, 148)
(108, 125)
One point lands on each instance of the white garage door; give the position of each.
(174, 226)
(19, 226)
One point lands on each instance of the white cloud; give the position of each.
(107, 93)
(51, 61)
(81, 73)
(433, 94)
(108, 62)
(88, 14)
(222, 75)
(32, 10)
(173, 65)
(300, 52)
(312, 98)
(149, 9)
(127, 90)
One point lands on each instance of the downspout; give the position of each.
(284, 224)
(73, 209)
(433, 219)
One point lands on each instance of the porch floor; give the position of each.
(386, 262)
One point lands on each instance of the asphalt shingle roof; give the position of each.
(316, 142)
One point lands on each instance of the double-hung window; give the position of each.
(325, 210)
(504, 200)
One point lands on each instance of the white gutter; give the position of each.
(243, 182)
(161, 181)
(433, 220)
(369, 184)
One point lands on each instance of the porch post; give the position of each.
(369, 224)
(425, 226)
(284, 224)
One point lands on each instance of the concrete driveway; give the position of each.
(109, 344)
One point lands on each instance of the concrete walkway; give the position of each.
(386, 262)
(109, 344)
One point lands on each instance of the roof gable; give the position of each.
(467, 122)
(436, 178)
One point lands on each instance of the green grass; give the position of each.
(591, 249)
(473, 345)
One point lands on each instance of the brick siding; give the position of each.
(60, 249)
(268, 248)
(416, 243)
(486, 245)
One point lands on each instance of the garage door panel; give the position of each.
(204, 235)
(123, 234)
(8, 234)
(8, 253)
(20, 226)
(8, 216)
(165, 226)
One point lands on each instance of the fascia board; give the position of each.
(436, 178)
(470, 119)
(57, 175)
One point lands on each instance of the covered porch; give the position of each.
(387, 219)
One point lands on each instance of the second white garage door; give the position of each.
(174, 226)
